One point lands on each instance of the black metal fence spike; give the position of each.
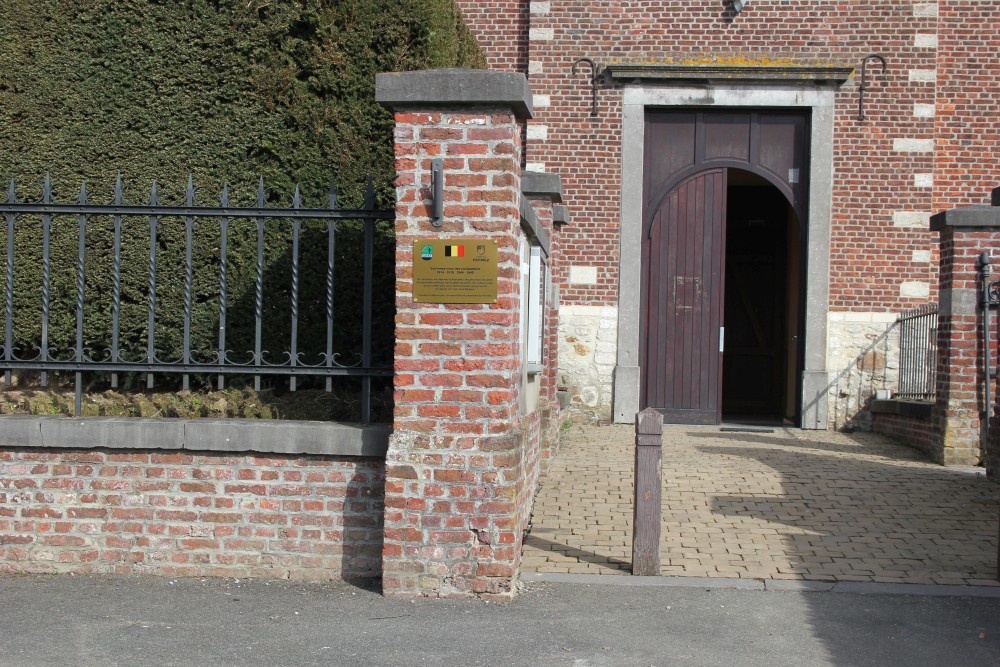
(154, 199)
(370, 194)
(297, 197)
(224, 202)
(119, 190)
(189, 192)
(82, 198)
(260, 192)
(47, 190)
(332, 195)
(11, 193)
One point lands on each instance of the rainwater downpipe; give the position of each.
(988, 298)
(983, 269)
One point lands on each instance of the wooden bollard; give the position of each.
(648, 480)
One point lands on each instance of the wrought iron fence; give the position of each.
(918, 354)
(197, 292)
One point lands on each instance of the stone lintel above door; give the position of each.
(734, 70)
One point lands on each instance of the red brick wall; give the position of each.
(966, 128)
(507, 23)
(182, 514)
(915, 432)
(871, 255)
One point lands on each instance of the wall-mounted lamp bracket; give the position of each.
(437, 191)
(595, 79)
(864, 81)
(993, 294)
(990, 295)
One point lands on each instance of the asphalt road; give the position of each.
(94, 620)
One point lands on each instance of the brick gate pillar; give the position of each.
(961, 395)
(463, 457)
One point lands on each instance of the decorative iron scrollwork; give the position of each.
(863, 85)
(993, 294)
(595, 80)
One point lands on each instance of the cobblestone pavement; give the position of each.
(787, 504)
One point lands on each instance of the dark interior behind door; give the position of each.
(753, 376)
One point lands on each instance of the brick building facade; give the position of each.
(849, 220)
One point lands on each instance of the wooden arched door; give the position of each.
(683, 259)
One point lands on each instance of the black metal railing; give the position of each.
(918, 354)
(209, 311)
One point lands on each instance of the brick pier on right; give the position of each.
(965, 395)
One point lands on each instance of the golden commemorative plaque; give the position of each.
(455, 271)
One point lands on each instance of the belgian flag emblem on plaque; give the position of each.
(454, 251)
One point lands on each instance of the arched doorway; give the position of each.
(722, 266)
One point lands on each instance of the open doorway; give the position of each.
(762, 312)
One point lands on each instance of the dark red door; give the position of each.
(683, 259)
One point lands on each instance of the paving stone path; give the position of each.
(789, 504)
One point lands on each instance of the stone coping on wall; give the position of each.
(902, 407)
(211, 435)
(454, 88)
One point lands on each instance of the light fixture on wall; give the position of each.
(737, 5)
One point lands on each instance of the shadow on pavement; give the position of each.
(538, 542)
(861, 518)
(859, 444)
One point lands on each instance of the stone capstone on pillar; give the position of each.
(451, 88)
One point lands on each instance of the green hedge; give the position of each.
(226, 92)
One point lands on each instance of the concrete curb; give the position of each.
(776, 585)
(630, 581)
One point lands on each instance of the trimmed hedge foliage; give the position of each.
(225, 91)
